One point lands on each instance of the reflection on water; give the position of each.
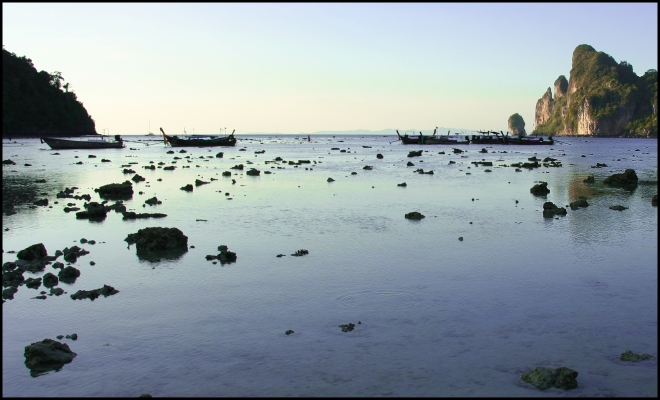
(518, 291)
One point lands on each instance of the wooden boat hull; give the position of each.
(512, 140)
(429, 140)
(226, 141)
(64, 144)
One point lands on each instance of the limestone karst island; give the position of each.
(601, 98)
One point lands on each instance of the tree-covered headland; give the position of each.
(39, 103)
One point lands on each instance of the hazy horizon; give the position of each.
(299, 68)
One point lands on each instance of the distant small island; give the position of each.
(34, 104)
(602, 98)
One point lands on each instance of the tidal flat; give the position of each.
(432, 315)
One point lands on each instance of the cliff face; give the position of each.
(516, 125)
(34, 104)
(543, 108)
(602, 98)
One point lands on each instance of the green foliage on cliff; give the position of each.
(34, 104)
(611, 91)
(517, 124)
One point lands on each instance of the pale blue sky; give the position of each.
(302, 68)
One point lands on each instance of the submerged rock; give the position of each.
(580, 202)
(545, 378)
(47, 355)
(618, 208)
(633, 357)
(301, 252)
(105, 291)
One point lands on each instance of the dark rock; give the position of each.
(33, 283)
(158, 239)
(402, 184)
(57, 291)
(415, 215)
(368, 167)
(133, 215)
(12, 278)
(253, 172)
(654, 201)
(226, 173)
(540, 189)
(73, 336)
(105, 291)
(330, 180)
(199, 182)
(288, 332)
(618, 208)
(219, 155)
(69, 274)
(410, 164)
(8, 294)
(347, 327)
(301, 252)
(580, 202)
(188, 188)
(589, 179)
(633, 357)
(116, 191)
(153, 201)
(413, 153)
(34, 252)
(169, 168)
(546, 378)
(42, 202)
(47, 355)
(8, 162)
(628, 179)
(379, 156)
(457, 151)
(128, 171)
(137, 178)
(238, 167)
(550, 210)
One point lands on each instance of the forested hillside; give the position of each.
(39, 103)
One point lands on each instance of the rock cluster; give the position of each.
(633, 357)
(225, 256)
(105, 291)
(627, 179)
(550, 210)
(545, 378)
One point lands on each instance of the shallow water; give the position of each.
(439, 316)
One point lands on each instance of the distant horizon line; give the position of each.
(390, 131)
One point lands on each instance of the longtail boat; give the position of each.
(433, 139)
(491, 137)
(199, 141)
(96, 142)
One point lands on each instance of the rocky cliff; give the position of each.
(601, 98)
(516, 125)
(34, 104)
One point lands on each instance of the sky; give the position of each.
(295, 68)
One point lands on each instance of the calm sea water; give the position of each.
(438, 316)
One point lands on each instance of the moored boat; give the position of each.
(199, 141)
(97, 142)
(433, 139)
